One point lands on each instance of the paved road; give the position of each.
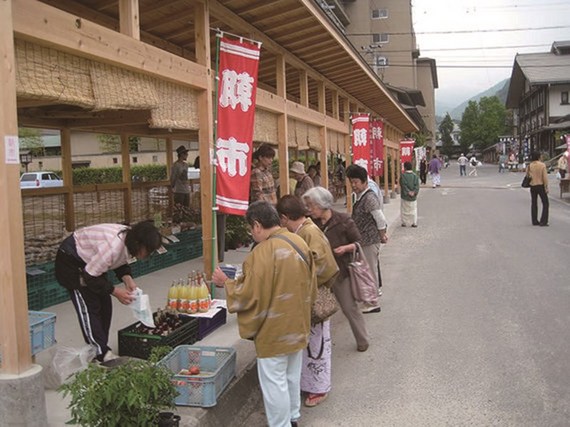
(474, 328)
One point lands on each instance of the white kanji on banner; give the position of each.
(360, 137)
(406, 151)
(362, 162)
(236, 89)
(376, 132)
(232, 156)
(377, 163)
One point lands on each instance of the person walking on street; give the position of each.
(262, 185)
(179, 179)
(423, 170)
(502, 163)
(563, 165)
(462, 161)
(434, 168)
(538, 188)
(304, 181)
(371, 222)
(410, 186)
(473, 162)
(273, 310)
(316, 370)
(342, 234)
(81, 266)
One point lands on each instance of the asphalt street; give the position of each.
(475, 317)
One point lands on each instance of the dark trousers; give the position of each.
(94, 310)
(535, 191)
(423, 177)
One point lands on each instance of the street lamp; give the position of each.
(25, 158)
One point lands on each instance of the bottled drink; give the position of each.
(185, 299)
(180, 287)
(193, 306)
(173, 297)
(203, 297)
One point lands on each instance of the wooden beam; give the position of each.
(323, 156)
(129, 18)
(304, 88)
(67, 172)
(322, 102)
(45, 25)
(119, 118)
(126, 168)
(281, 76)
(206, 136)
(14, 329)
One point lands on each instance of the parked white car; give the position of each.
(42, 179)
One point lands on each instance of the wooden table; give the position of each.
(564, 186)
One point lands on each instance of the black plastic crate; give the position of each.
(208, 325)
(135, 344)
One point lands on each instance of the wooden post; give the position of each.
(323, 156)
(304, 88)
(386, 177)
(282, 127)
(169, 163)
(394, 158)
(14, 324)
(67, 172)
(205, 132)
(126, 162)
(129, 18)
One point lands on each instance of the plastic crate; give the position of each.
(54, 293)
(135, 344)
(42, 330)
(208, 325)
(217, 368)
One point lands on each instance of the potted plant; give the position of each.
(130, 394)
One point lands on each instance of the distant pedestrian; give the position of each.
(423, 170)
(538, 187)
(304, 181)
(562, 165)
(262, 186)
(434, 168)
(342, 233)
(462, 161)
(316, 370)
(179, 178)
(410, 187)
(473, 162)
(315, 175)
(273, 310)
(502, 163)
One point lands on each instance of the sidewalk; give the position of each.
(238, 400)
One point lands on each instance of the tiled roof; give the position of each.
(541, 68)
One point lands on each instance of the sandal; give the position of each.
(314, 399)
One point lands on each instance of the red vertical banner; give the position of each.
(567, 138)
(377, 148)
(237, 86)
(361, 140)
(406, 151)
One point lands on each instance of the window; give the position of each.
(381, 61)
(115, 160)
(380, 38)
(135, 159)
(564, 97)
(379, 13)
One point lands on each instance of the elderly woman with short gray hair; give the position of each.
(342, 233)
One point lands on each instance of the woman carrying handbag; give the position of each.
(536, 170)
(316, 367)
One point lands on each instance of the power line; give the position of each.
(497, 30)
(473, 66)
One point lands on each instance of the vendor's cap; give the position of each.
(181, 150)
(298, 167)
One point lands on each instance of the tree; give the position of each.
(446, 128)
(470, 121)
(492, 120)
(31, 139)
(112, 143)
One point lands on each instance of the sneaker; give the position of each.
(371, 309)
(109, 356)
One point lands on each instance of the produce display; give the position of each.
(166, 321)
(189, 296)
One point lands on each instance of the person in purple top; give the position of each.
(433, 168)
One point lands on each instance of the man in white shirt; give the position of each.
(462, 160)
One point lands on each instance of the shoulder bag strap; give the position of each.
(301, 254)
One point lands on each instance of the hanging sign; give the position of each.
(377, 148)
(237, 86)
(361, 140)
(406, 151)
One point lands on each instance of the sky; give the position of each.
(473, 43)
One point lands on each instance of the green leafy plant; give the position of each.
(132, 394)
(237, 232)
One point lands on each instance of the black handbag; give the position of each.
(526, 181)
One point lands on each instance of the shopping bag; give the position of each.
(363, 284)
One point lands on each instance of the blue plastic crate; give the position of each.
(42, 330)
(217, 368)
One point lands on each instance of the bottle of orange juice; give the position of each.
(193, 308)
(180, 288)
(185, 299)
(173, 297)
(203, 297)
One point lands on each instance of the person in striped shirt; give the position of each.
(81, 266)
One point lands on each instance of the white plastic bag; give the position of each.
(141, 308)
(66, 362)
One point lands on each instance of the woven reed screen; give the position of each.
(265, 127)
(291, 133)
(302, 131)
(48, 74)
(314, 138)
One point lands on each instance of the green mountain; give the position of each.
(500, 90)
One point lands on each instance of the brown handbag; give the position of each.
(325, 305)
